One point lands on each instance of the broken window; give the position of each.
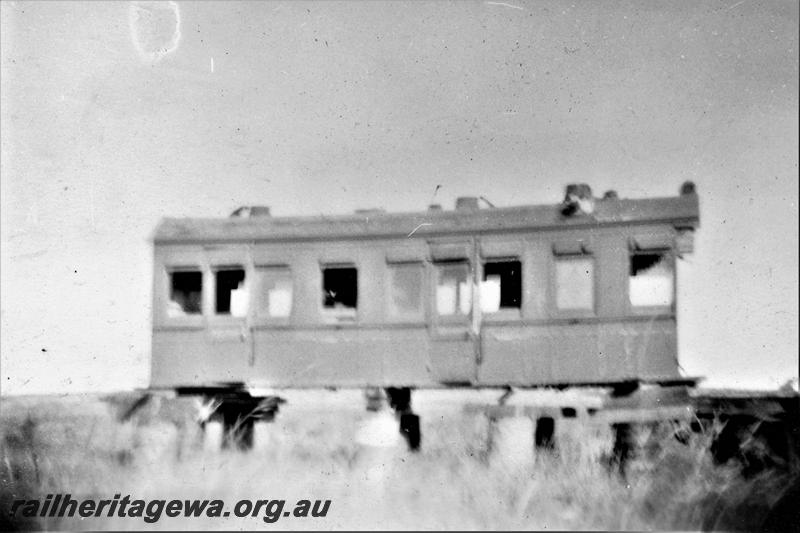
(405, 289)
(574, 283)
(274, 291)
(651, 280)
(501, 287)
(231, 294)
(185, 293)
(453, 288)
(340, 290)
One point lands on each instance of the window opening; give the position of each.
(231, 295)
(275, 292)
(340, 289)
(651, 280)
(501, 287)
(186, 293)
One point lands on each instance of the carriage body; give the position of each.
(521, 296)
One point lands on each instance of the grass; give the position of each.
(459, 480)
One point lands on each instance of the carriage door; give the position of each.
(229, 331)
(454, 324)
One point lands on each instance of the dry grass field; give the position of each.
(77, 445)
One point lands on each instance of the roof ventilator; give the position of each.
(577, 200)
(251, 211)
(467, 203)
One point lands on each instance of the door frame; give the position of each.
(458, 329)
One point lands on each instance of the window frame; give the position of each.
(256, 296)
(582, 253)
(187, 320)
(454, 318)
(332, 315)
(652, 309)
(416, 316)
(214, 269)
(503, 313)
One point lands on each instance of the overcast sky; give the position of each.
(114, 116)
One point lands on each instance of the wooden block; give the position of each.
(212, 436)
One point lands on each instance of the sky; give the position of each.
(117, 114)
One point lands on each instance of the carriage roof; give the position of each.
(680, 211)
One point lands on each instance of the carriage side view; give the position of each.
(572, 294)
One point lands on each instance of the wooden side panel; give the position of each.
(327, 357)
(515, 354)
(308, 288)
(574, 353)
(344, 357)
(612, 263)
(194, 357)
(578, 353)
(453, 357)
(535, 276)
(656, 348)
(406, 356)
(614, 362)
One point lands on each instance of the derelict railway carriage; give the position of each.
(523, 296)
(579, 293)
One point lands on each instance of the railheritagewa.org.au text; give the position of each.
(151, 511)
